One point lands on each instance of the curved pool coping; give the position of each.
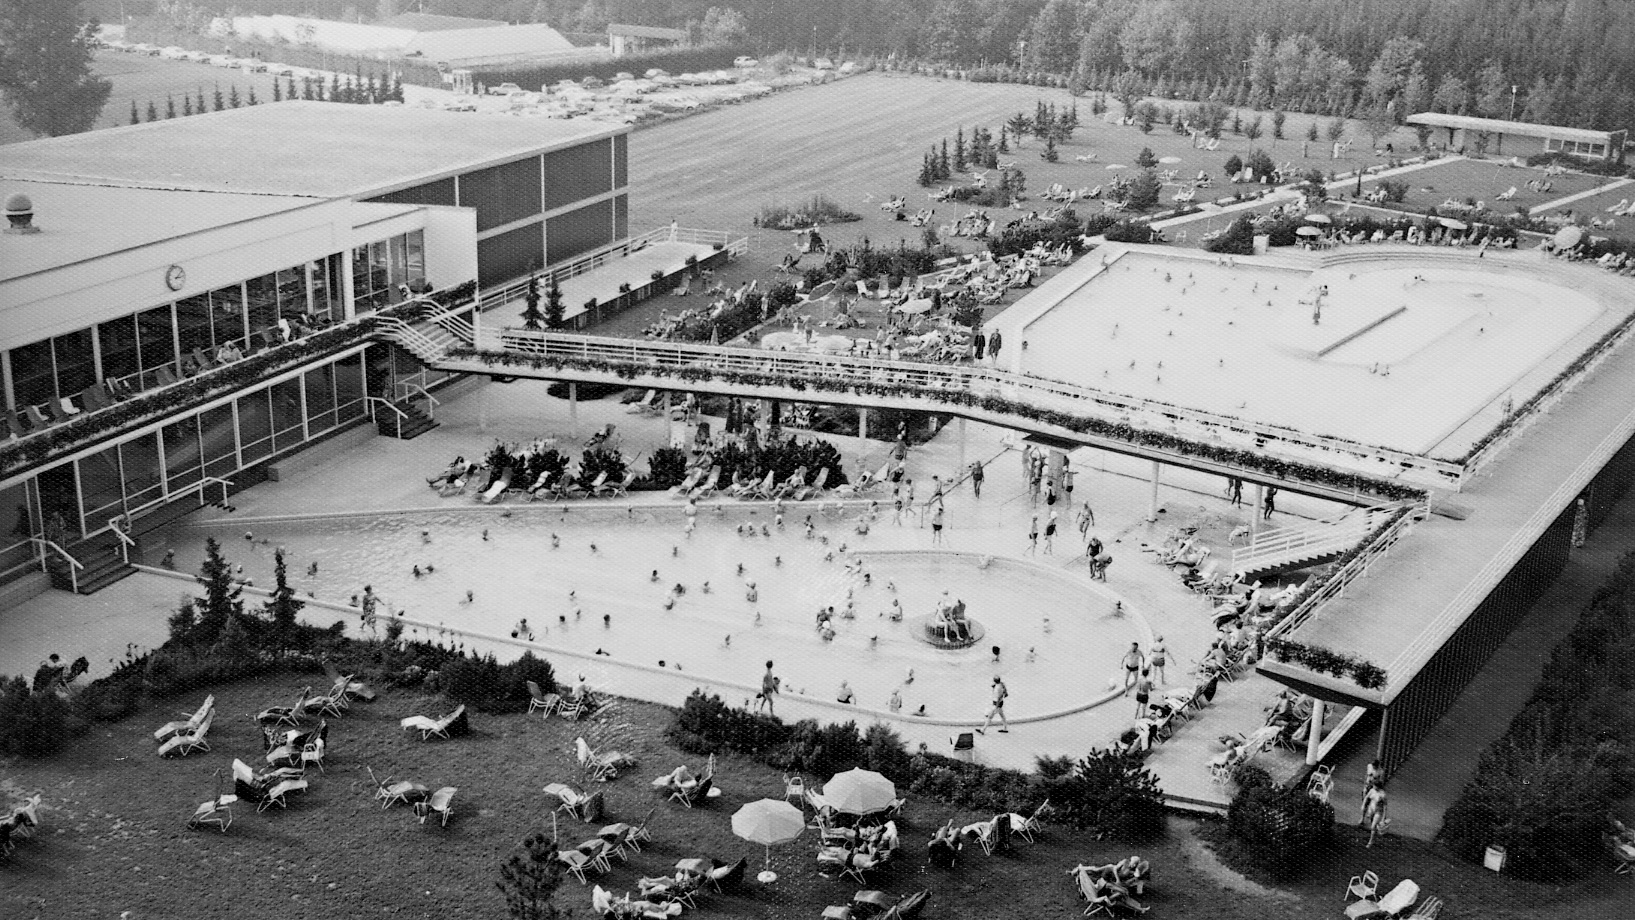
(706, 681)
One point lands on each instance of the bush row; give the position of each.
(1108, 792)
(1283, 828)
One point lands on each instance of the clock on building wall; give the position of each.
(175, 277)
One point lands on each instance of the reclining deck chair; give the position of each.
(600, 766)
(183, 745)
(441, 804)
(391, 793)
(217, 811)
(279, 794)
(815, 489)
(171, 729)
(285, 715)
(455, 723)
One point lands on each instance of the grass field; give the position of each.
(113, 835)
(1485, 180)
(144, 79)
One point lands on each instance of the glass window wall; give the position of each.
(120, 356)
(32, 382)
(182, 459)
(286, 409)
(219, 440)
(261, 297)
(102, 492)
(76, 362)
(255, 427)
(139, 467)
(320, 384)
(156, 334)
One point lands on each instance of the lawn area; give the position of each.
(113, 835)
(144, 79)
(1485, 180)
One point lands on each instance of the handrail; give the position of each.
(1321, 537)
(432, 401)
(74, 564)
(117, 528)
(983, 381)
(401, 415)
(509, 293)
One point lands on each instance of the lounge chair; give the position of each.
(497, 489)
(816, 488)
(601, 766)
(602, 438)
(183, 745)
(711, 483)
(704, 791)
(332, 703)
(539, 699)
(645, 404)
(441, 804)
(1026, 827)
(571, 708)
(614, 489)
(1428, 909)
(279, 793)
(391, 793)
(576, 863)
(172, 729)
(285, 715)
(1365, 887)
(727, 876)
(313, 753)
(859, 862)
(575, 491)
(686, 485)
(762, 490)
(575, 802)
(455, 723)
(217, 811)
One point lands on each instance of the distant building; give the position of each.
(449, 41)
(1528, 138)
(625, 40)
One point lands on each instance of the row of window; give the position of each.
(162, 464)
(382, 271)
(1576, 148)
(135, 348)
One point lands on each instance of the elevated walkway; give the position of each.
(1310, 542)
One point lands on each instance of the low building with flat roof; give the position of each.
(1462, 131)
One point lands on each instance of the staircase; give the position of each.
(406, 423)
(1310, 543)
(425, 340)
(103, 565)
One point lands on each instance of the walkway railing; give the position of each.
(801, 370)
(74, 565)
(373, 401)
(516, 290)
(1310, 540)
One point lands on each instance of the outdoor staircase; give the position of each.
(1307, 544)
(426, 340)
(103, 565)
(411, 424)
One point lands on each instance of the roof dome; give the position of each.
(19, 204)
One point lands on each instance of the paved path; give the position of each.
(1591, 193)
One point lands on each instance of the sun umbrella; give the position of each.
(768, 821)
(1568, 237)
(1319, 218)
(1452, 224)
(859, 792)
(1169, 160)
(823, 290)
(915, 306)
(1307, 231)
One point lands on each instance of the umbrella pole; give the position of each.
(768, 863)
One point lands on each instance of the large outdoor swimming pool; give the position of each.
(513, 571)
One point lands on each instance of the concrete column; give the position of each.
(863, 421)
(1315, 738)
(573, 407)
(763, 418)
(1254, 510)
(1152, 498)
(961, 467)
(669, 426)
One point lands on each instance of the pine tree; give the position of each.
(136, 117)
(187, 106)
(198, 101)
(1049, 153)
(532, 318)
(529, 879)
(170, 106)
(1311, 130)
(1004, 146)
(959, 150)
(250, 99)
(306, 88)
(233, 101)
(220, 100)
(334, 88)
(397, 87)
(1041, 121)
(221, 601)
(153, 111)
(278, 91)
(553, 306)
(1019, 127)
(925, 177)
(1278, 117)
(944, 168)
(283, 607)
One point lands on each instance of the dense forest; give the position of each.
(1567, 60)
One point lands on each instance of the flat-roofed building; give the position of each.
(1462, 131)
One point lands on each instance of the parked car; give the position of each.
(592, 83)
(504, 89)
(281, 70)
(743, 61)
(622, 76)
(252, 65)
(824, 64)
(173, 53)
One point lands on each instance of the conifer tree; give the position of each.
(959, 150)
(170, 106)
(233, 101)
(153, 111)
(136, 117)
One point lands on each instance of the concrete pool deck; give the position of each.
(362, 472)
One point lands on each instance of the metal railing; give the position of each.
(516, 290)
(1356, 568)
(1310, 540)
(432, 402)
(117, 526)
(418, 343)
(401, 415)
(74, 565)
(1041, 393)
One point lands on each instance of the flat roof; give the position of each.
(1407, 352)
(79, 221)
(632, 31)
(299, 148)
(1417, 595)
(1501, 126)
(434, 22)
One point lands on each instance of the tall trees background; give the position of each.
(45, 64)
(1568, 60)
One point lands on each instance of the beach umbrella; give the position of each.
(1452, 224)
(1568, 237)
(1319, 218)
(1307, 231)
(859, 792)
(1169, 160)
(768, 822)
(914, 307)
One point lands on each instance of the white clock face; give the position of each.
(175, 277)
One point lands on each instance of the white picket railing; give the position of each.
(1309, 540)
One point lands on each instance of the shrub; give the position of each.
(594, 463)
(34, 724)
(1111, 793)
(825, 749)
(1233, 167)
(667, 467)
(819, 209)
(1395, 191)
(1144, 191)
(1130, 231)
(886, 753)
(488, 686)
(1283, 828)
(1145, 158)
